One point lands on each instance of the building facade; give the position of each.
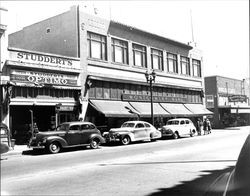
(113, 59)
(228, 99)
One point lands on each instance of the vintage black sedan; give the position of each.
(68, 134)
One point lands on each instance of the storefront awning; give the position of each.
(176, 109)
(114, 108)
(241, 111)
(144, 108)
(198, 109)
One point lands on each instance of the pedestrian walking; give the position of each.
(199, 126)
(205, 126)
(209, 126)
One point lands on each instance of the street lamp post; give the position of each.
(150, 77)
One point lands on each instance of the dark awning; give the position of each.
(176, 109)
(114, 108)
(198, 109)
(144, 109)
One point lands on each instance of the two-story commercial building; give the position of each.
(114, 58)
(228, 99)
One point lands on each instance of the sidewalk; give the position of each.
(17, 150)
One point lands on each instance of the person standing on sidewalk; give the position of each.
(199, 126)
(209, 126)
(205, 126)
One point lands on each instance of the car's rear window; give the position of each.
(63, 127)
(128, 125)
(173, 122)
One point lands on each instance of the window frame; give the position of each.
(185, 62)
(91, 38)
(142, 50)
(115, 44)
(156, 53)
(172, 57)
(196, 64)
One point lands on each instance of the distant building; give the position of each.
(78, 66)
(228, 99)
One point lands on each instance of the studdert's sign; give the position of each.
(44, 59)
(237, 98)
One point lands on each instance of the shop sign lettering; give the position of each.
(44, 58)
(43, 78)
(237, 98)
(130, 97)
(47, 80)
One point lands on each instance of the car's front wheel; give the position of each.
(175, 135)
(95, 143)
(126, 140)
(54, 147)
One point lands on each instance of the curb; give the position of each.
(14, 151)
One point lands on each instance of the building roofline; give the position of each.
(152, 34)
(218, 76)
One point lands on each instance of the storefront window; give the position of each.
(97, 45)
(119, 51)
(99, 90)
(139, 54)
(106, 90)
(172, 63)
(114, 92)
(156, 59)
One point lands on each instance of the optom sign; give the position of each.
(54, 61)
(43, 78)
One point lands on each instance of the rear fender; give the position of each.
(102, 140)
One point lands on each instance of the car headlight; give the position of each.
(44, 140)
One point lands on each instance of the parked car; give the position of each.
(236, 182)
(4, 136)
(4, 148)
(178, 127)
(68, 134)
(131, 131)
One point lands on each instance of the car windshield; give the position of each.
(63, 127)
(128, 124)
(173, 122)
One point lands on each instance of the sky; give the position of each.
(219, 28)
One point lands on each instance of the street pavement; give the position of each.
(182, 167)
(20, 149)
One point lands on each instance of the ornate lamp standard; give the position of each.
(150, 79)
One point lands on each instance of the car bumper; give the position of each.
(35, 145)
(166, 133)
(112, 138)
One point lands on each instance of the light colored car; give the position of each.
(178, 127)
(131, 131)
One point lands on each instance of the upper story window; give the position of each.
(97, 46)
(185, 66)
(156, 59)
(139, 55)
(119, 51)
(172, 63)
(196, 67)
